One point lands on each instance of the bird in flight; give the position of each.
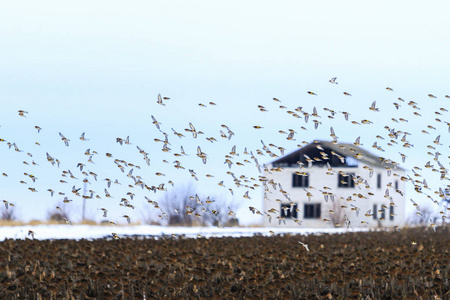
(128, 218)
(160, 100)
(201, 154)
(192, 130)
(64, 139)
(333, 80)
(373, 106)
(22, 113)
(304, 245)
(157, 123)
(83, 138)
(105, 212)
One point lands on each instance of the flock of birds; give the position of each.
(260, 158)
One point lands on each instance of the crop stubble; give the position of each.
(374, 265)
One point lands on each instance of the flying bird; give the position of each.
(373, 106)
(83, 138)
(22, 113)
(160, 100)
(64, 139)
(157, 123)
(333, 80)
(304, 245)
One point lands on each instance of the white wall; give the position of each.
(318, 179)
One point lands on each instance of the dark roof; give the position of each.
(334, 152)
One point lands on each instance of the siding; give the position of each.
(321, 181)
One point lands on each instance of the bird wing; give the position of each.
(437, 139)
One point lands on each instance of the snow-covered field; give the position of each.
(77, 232)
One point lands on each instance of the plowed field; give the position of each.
(412, 264)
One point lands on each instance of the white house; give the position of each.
(327, 184)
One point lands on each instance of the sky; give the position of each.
(98, 67)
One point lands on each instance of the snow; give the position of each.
(77, 232)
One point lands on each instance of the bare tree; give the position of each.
(221, 212)
(59, 214)
(423, 217)
(337, 217)
(152, 217)
(180, 207)
(8, 214)
(184, 207)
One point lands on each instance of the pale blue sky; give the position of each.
(98, 66)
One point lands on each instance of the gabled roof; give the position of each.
(334, 154)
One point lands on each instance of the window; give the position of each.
(379, 181)
(383, 213)
(346, 180)
(396, 185)
(374, 214)
(351, 162)
(312, 211)
(391, 213)
(289, 211)
(300, 180)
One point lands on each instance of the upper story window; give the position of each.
(282, 164)
(351, 161)
(300, 180)
(346, 180)
(379, 181)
